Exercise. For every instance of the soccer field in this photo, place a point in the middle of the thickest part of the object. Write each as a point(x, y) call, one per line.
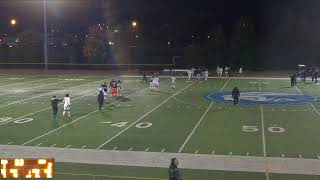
point(272, 119)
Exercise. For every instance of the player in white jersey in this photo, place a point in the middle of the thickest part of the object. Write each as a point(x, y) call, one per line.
point(66, 106)
point(240, 71)
point(156, 83)
point(173, 82)
point(206, 74)
point(220, 72)
point(189, 75)
point(226, 71)
point(119, 87)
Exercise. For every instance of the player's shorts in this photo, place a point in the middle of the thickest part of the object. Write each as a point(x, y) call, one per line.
point(66, 107)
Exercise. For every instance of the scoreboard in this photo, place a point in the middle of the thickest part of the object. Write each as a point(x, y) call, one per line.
point(26, 168)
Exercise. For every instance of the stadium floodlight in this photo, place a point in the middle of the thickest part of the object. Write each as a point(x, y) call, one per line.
point(13, 22)
point(134, 24)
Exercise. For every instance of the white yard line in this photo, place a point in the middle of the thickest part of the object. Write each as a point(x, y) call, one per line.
point(317, 111)
point(200, 120)
point(33, 88)
point(62, 90)
point(262, 126)
point(87, 94)
point(266, 163)
point(263, 132)
point(142, 117)
point(68, 146)
point(38, 144)
point(83, 146)
point(54, 130)
point(53, 145)
point(25, 82)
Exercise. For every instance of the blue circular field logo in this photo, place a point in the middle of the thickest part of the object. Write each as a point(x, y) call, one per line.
point(264, 98)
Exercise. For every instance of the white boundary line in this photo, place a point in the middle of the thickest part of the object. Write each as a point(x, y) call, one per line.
point(200, 120)
point(54, 130)
point(118, 134)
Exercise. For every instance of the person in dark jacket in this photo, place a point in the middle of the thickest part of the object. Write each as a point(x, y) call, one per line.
point(100, 99)
point(54, 105)
point(235, 95)
point(292, 79)
point(174, 173)
point(144, 77)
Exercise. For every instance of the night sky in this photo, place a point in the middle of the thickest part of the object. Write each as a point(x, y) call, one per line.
point(280, 29)
point(184, 16)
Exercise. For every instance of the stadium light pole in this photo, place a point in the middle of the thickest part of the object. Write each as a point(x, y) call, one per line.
point(45, 34)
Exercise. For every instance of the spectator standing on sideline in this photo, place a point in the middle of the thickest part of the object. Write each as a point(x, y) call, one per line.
point(174, 173)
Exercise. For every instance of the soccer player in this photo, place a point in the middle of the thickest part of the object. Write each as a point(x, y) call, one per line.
point(235, 95)
point(156, 83)
point(220, 72)
point(66, 106)
point(292, 79)
point(240, 71)
point(151, 83)
point(113, 86)
point(189, 75)
point(226, 71)
point(173, 82)
point(119, 87)
point(100, 100)
point(54, 105)
point(103, 87)
point(144, 78)
point(206, 74)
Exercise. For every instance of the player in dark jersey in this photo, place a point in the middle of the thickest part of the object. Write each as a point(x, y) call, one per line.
point(101, 99)
point(144, 77)
point(235, 95)
point(54, 105)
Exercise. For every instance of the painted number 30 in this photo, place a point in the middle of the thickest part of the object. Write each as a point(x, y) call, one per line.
point(270, 129)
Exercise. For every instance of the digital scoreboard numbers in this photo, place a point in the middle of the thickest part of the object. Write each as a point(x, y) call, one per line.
point(27, 168)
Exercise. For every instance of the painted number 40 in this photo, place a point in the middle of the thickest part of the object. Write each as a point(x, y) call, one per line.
point(270, 129)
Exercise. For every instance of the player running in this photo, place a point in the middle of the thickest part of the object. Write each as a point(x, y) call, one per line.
point(173, 82)
point(66, 106)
